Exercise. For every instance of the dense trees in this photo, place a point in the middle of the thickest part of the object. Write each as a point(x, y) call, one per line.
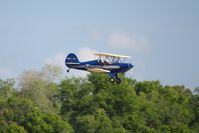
point(93, 105)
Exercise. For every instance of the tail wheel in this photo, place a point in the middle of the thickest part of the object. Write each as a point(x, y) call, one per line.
point(112, 80)
point(118, 80)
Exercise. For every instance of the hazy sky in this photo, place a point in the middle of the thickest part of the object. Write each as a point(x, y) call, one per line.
point(162, 37)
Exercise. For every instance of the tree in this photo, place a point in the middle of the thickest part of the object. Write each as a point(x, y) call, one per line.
point(12, 127)
point(51, 73)
point(7, 88)
point(39, 86)
point(93, 104)
point(96, 123)
point(196, 90)
point(37, 121)
point(194, 104)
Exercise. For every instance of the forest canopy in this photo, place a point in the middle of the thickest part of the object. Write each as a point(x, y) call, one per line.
point(43, 102)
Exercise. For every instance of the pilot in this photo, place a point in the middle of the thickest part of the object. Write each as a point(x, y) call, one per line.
point(100, 61)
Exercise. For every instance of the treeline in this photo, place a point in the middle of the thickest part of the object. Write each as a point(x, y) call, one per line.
point(42, 103)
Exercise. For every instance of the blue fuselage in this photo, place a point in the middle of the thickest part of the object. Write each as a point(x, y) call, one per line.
point(114, 68)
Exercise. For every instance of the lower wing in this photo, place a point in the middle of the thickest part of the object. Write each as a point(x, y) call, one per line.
point(98, 70)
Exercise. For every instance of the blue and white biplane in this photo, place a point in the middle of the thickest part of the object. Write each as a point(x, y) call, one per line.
point(111, 64)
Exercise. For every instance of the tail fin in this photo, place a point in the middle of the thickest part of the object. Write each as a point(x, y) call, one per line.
point(71, 59)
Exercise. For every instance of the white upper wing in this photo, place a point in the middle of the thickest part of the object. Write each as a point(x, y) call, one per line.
point(112, 55)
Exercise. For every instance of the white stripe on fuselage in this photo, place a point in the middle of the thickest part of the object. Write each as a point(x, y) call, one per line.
point(87, 66)
point(72, 63)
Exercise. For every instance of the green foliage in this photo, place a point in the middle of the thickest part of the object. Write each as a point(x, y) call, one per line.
point(51, 72)
point(129, 107)
point(35, 86)
point(11, 128)
point(6, 88)
point(37, 121)
point(98, 123)
point(195, 108)
point(94, 105)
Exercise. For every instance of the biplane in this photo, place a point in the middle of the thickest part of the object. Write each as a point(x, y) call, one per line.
point(111, 64)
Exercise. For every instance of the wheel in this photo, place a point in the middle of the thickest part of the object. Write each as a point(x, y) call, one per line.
point(68, 70)
point(112, 80)
point(118, 80)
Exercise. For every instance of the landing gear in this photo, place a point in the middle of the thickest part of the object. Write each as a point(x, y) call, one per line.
point(112, 79)
point(118, 80)
point(115, 79)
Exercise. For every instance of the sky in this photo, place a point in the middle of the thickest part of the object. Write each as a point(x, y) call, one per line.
point(162, 37)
